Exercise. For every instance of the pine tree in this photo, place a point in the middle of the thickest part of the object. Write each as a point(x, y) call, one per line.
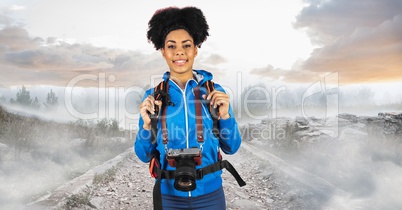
point(35, 103)
point(24, 99)
point(52, 101)
point(3, 99)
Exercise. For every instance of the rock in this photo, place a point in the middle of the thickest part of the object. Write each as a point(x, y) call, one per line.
point(392, 123)
point(343, 122)
point(301, 120)
point(97, 202)
point(3, 146)
point(241, 194)
point(393, 115)
point(350, 117)
point(291, 195)
point(266, 174)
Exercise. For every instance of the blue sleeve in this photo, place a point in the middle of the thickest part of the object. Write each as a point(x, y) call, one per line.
point(230, 137)
point(143, 146)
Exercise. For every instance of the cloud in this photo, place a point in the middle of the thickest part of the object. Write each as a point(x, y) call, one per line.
point(36, 61)
point(367, 55)
point(214, 59)
point(15, 38)
point(4, 20)
point(361, 40)
point(293, 76)
point(326, 20)
point(27, 60)
point(16, 7)
point(5, 10)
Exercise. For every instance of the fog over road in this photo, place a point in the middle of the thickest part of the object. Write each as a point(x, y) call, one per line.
point(359, 169)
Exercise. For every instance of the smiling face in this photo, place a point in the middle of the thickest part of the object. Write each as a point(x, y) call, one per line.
point(179, 52)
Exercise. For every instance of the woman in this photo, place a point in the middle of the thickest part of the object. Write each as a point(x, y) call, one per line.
point(178, 33)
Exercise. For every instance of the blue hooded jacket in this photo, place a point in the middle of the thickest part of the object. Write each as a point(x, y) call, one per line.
point(181, 126)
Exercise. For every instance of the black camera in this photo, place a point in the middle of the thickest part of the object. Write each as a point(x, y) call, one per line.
point(185, 161)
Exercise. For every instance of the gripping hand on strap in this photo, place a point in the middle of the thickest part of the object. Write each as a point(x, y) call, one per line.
point(149, 107)
point(219, 100)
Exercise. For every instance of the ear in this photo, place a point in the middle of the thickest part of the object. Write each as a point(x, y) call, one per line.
point(163, 53)
point(196, 51)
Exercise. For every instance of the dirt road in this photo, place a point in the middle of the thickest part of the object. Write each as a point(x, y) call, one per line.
point(267, 187)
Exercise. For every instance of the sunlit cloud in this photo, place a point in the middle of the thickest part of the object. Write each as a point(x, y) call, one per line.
point(16, 7)
point(54, 62)
point(361, 41)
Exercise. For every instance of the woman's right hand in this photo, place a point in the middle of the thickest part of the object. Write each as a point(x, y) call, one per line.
point(146, 107)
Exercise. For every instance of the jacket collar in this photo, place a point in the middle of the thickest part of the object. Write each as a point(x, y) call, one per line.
point(200, 75)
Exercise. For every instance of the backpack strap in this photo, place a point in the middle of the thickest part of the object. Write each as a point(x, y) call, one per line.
point(215, 116)
point(213, 111)
point(161, 92)
point(198, 115)
point(156, 172)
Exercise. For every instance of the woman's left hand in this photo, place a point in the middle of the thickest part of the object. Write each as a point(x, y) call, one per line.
point(221, 100)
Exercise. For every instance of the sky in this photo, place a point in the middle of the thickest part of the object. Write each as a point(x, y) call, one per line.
point(101, 44)
point(293, 41)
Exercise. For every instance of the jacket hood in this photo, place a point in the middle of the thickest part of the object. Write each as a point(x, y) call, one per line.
point(201, 75)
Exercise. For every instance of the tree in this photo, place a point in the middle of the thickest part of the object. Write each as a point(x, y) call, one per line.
point(108, 127)
point(24, 99)
point(3, 99)
point(52, 101)
point(365, 96)
point(256, 99)
point(35, 103)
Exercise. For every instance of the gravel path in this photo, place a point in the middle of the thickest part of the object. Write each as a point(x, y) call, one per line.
point(267, 188)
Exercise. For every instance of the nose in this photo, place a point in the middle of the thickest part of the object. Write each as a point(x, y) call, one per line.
point(179, 51)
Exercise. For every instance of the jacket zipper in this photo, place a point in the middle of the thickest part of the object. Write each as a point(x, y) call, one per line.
point(186, 114)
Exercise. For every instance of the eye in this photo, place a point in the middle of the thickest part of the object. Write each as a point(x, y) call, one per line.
point(187, 45)
point(171, 46)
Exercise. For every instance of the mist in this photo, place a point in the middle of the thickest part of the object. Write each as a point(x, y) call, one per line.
point(289, 100)
point(349, 139)
point(80, 103)
point(37, 154)
point(42, 149)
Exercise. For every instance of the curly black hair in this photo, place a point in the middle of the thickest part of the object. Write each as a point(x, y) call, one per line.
point(168, 19)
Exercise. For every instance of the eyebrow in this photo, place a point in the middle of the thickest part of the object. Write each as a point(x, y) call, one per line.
point(187, 40)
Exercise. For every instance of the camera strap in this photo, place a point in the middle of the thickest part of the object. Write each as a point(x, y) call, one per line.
point(159, 173)
point(170, 174)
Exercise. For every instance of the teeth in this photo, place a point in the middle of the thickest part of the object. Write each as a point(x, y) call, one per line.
point(180, 61)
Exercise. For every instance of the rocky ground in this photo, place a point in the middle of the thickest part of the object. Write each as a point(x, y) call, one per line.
point(267, 188)
point(273, 183)
point(130, 187)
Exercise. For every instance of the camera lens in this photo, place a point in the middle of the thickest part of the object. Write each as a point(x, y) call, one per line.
point(185, 174)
